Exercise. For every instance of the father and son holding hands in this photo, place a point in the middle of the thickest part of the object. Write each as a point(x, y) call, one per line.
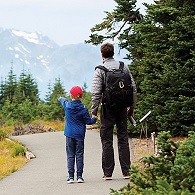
point(77, 117)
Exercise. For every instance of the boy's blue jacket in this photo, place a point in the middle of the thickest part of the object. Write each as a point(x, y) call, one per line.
point(77, 116)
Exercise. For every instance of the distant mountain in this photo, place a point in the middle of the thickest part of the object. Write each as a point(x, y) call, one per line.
point(46, 60)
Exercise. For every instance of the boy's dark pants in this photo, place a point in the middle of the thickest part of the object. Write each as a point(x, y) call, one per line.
point(118, 117)
point(75, 149)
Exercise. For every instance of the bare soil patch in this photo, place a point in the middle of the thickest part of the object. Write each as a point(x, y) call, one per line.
point(141, 148)
point(145, 147)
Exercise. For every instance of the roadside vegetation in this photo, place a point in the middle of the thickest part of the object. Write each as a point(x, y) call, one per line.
point(11, 155)
point(170, 171)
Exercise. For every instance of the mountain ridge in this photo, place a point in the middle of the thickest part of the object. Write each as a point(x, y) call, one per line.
point(46, 60)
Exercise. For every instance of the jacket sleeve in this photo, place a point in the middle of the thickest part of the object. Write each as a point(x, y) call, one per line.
point(87, 119)
point(97, 84)
point(62, 100)
point(134, 87)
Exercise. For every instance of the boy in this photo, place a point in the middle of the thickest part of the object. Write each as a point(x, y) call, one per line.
point(77, 116)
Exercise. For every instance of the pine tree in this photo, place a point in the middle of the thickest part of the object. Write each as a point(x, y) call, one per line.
point(2, 97)
point(86, 99)
point(183, 172)
point(25, 112)
point(8, 111)
point(48, 94)
point(58, 90)
point(168, 45)
point(11, 85)
point(19, 98)
point(161, 47)
point(116, 24)
point(56, 111)
point(171, 171)
point(27, 88)
point(8, 88)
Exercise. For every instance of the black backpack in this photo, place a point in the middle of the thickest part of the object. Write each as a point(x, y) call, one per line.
point(117, 89)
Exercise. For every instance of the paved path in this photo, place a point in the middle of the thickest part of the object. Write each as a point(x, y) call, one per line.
point(46, 174)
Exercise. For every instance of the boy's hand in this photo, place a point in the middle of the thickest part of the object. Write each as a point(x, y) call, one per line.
point(94, 116)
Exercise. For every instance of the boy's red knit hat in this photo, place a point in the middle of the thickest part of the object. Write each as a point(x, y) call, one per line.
point(76, 91)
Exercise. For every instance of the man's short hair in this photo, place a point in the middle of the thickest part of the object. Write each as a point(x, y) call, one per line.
point(107, 50)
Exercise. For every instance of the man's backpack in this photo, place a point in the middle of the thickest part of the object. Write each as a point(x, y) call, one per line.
point(117, 89)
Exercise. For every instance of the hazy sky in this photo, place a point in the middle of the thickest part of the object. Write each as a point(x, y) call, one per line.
point(64, 21)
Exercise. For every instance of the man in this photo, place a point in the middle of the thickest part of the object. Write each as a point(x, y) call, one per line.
point(113, 116)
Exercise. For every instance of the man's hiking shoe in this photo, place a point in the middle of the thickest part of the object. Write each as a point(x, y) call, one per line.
point(106, 178)
point(126, 176)
point(70, 180)
point(80, 180)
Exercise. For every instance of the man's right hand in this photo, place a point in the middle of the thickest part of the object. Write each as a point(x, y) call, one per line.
point(130, 111)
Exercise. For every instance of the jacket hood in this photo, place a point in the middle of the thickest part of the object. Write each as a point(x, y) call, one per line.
point(75, 106)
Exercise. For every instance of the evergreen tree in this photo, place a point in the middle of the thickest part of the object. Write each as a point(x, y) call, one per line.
point(2, 97)
point(48, 94)
point(11, 85)
point(116, 24)
point(161, 47)
point(25, 112)
point(86, 99)
point(8, 87)
point(8, 111)
point(56, 111)
point(42, 111)
point(57, 91)
point(27, 88)
point(168, 47)
point(171, 171)
point(19, 98)
point(84, 87)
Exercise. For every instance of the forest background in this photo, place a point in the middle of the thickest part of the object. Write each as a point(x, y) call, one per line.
point(161, 49)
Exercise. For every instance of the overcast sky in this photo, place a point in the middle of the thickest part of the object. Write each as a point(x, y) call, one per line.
point(64, 21)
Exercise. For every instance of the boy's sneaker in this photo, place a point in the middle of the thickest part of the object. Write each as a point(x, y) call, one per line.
point(70, 180)
point(80, 180)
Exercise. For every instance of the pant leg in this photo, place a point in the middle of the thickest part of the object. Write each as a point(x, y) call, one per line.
point(71, 152)
point(80, 157)
point(106, 135)
point(123, 141)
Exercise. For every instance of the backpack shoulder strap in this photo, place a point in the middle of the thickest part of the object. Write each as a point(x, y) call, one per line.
point(105, 70)
point(121, 66)
point(102, 68)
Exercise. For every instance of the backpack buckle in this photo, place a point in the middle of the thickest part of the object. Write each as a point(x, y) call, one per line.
point(121, 84)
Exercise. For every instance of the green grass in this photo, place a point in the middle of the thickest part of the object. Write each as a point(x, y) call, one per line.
point(11, 157)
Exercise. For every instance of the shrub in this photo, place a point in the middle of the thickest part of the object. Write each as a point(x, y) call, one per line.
point(15, 148)
point(2, 135)
point(170, 172)
point(18, 150)
point(9, 162)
